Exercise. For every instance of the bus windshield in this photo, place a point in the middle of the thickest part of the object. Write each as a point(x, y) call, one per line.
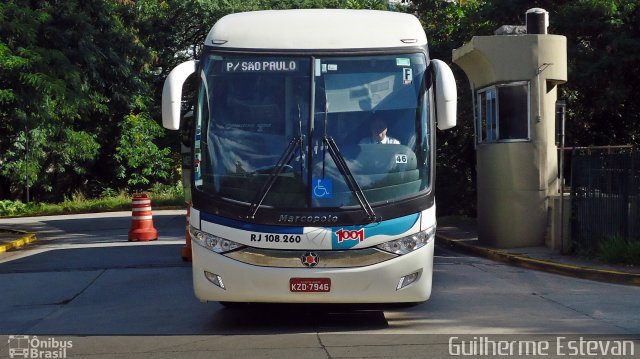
point(301, 133)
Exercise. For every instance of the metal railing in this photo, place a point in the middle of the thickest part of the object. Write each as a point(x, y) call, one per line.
point(605, 194)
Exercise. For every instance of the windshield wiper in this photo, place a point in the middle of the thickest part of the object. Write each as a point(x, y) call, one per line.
point(273, 176)
point(337, 157)
point(283, 162)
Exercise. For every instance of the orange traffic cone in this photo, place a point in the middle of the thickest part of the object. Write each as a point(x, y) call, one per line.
point(186, 250)
point(142, 228)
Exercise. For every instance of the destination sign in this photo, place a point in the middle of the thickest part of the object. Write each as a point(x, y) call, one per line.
point(260, 66)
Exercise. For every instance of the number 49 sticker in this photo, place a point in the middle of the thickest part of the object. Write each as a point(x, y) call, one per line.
point(401, 158)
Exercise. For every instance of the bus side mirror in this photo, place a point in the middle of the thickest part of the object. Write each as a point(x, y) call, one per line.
point(445, 93)
point(172, 94)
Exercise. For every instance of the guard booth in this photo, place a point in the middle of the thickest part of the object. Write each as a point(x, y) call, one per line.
point(514, 77)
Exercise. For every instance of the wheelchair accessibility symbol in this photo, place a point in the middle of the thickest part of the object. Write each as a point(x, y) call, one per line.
point(322, 188)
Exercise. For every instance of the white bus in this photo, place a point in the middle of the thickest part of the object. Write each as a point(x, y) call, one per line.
point(293, 198)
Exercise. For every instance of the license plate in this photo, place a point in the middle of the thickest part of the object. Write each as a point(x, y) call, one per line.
point(310, 285)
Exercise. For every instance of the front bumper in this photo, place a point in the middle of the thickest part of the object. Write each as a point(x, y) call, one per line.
point(369, 284)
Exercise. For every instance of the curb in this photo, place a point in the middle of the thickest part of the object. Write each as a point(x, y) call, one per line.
point(600, 275)
point(25, 238)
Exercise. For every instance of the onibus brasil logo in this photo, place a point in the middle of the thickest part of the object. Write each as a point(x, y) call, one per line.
point(24, 346)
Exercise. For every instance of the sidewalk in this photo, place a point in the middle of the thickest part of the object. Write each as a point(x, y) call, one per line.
point(464, 238)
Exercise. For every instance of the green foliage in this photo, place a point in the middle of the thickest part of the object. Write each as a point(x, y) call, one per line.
point(57, 149)
point(167, 190)
point(141, 160)
point(612, 249)
point(11, 208)
point(617, 249)
point(161, 196)
point(604, 48)
point(300, 4)
point(108, 192)
point(633, 252)
point(442, 21)
point(68, 73)
point(368, 4)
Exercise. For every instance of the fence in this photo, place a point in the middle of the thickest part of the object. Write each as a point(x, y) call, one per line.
point(605, 195)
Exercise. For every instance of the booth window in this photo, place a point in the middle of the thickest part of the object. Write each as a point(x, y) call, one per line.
point(503, 113)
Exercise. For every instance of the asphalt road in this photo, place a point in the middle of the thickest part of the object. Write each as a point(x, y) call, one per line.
point(85, 283)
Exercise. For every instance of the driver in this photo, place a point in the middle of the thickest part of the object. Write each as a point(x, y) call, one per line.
point(379, 134)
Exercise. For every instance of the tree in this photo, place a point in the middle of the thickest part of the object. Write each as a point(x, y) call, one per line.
point(141, 160)
point(67, 74)
point(368, 4)
point(604, 53)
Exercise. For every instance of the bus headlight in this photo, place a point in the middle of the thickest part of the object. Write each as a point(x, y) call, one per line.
point(213, 243)
point(409, 243)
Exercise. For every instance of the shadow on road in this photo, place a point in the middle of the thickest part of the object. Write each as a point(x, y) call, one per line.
point(298, 318)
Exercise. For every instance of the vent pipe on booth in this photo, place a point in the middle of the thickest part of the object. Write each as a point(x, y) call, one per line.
point(537, 21)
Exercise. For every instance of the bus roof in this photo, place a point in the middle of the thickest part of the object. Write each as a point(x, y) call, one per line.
point(321, 29)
